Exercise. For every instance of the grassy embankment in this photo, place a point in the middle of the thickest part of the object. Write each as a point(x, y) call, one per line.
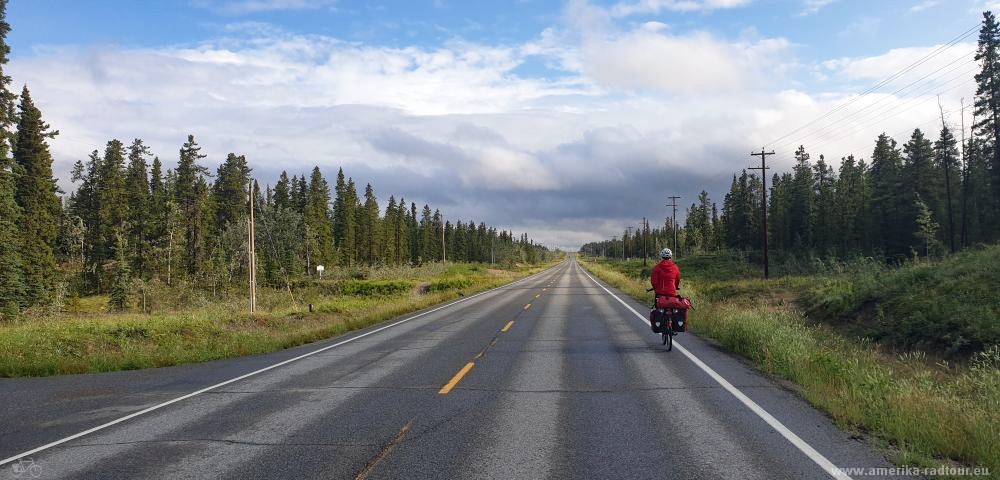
point(189, 325)
point(923, 409)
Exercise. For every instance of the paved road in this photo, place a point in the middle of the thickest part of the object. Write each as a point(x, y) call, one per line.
point(576, 387)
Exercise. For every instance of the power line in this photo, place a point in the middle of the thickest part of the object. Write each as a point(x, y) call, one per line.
point(859, 129)
point(880, 84)
point(929, 81)
point(887, 113)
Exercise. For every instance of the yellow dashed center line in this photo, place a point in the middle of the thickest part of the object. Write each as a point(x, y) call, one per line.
point(507, 327)
point(539, 295)
point(527, 306)
point(457, 378)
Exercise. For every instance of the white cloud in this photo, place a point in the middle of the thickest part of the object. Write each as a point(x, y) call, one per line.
point(244, 7)
point(812, 7)
point(863, 27)
point(943, 64)
point(924, 5)
point(979, 6)
point(625, 9)
point(653, 57)
point(697, 62)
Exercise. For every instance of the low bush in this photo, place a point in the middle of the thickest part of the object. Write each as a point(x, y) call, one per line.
point(370, 288)
point(949, 307)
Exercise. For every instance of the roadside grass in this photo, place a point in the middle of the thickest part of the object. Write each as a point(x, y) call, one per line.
point(924, 412)
point(188, 325)
point(950, 307)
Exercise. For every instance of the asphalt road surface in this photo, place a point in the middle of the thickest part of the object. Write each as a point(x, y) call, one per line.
point(555, 376)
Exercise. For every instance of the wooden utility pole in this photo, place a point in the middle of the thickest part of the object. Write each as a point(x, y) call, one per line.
point(252, 256)
point(763, 191)
point(645, 240)
point(673, 218)
point(629, 228)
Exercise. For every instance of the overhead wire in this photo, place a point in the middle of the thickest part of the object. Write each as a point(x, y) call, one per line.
point(892, 111)
point(940, 49)
point(927, 82)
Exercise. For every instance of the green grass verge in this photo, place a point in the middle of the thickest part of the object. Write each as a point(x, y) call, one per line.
point(948, 307)
point(923, 413)
point(200, 327)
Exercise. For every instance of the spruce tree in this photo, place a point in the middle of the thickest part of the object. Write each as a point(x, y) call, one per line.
point(851, 204)
point(987, 103)
point(351, 206)
point(779, 211)
point(138, 196)
point(339, 211)
point(157, 227)
point(36, 196)
point(86, 206)
point(369, 227)
point(230, 191)
point(823, 208)
point(802, 198)
point(122, 285)
point(191, 194)
point(893, 215)
point(12, 288)
point(413, 228)
point(427, 242)
point(403, 232)
point(112, 209)
point(317, 219)
point(283, 192)
point(300, 193)
point(390, 252)
point(946, 158)
point(919, 172)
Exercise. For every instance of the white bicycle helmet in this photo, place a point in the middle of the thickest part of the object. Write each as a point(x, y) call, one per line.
point(666, 253)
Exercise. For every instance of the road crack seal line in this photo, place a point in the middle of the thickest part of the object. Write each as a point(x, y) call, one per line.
point(597, 391)
point(220, 440)
point(363, 474)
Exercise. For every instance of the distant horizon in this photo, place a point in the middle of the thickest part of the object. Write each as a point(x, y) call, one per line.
point(563, 121)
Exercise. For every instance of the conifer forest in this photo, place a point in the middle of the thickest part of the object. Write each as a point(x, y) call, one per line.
point(136, 217)
point(923, 196)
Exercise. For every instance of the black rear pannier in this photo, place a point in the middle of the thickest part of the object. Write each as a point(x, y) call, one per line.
point(657, 320)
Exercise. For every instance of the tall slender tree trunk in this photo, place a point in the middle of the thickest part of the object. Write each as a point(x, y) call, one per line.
point(170, 251)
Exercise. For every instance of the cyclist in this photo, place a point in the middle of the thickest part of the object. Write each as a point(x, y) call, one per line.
point(666, 277)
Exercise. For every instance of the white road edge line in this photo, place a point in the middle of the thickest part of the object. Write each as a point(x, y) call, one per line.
point(255, 372)
point(804, 447)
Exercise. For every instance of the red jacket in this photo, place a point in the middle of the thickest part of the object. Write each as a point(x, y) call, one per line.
point(666, 278)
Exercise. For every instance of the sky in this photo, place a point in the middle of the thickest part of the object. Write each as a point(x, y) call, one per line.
point(567, 120)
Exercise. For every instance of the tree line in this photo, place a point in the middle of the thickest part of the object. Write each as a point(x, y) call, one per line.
point(132, 219)
point(921, 198)
point(184, 223)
